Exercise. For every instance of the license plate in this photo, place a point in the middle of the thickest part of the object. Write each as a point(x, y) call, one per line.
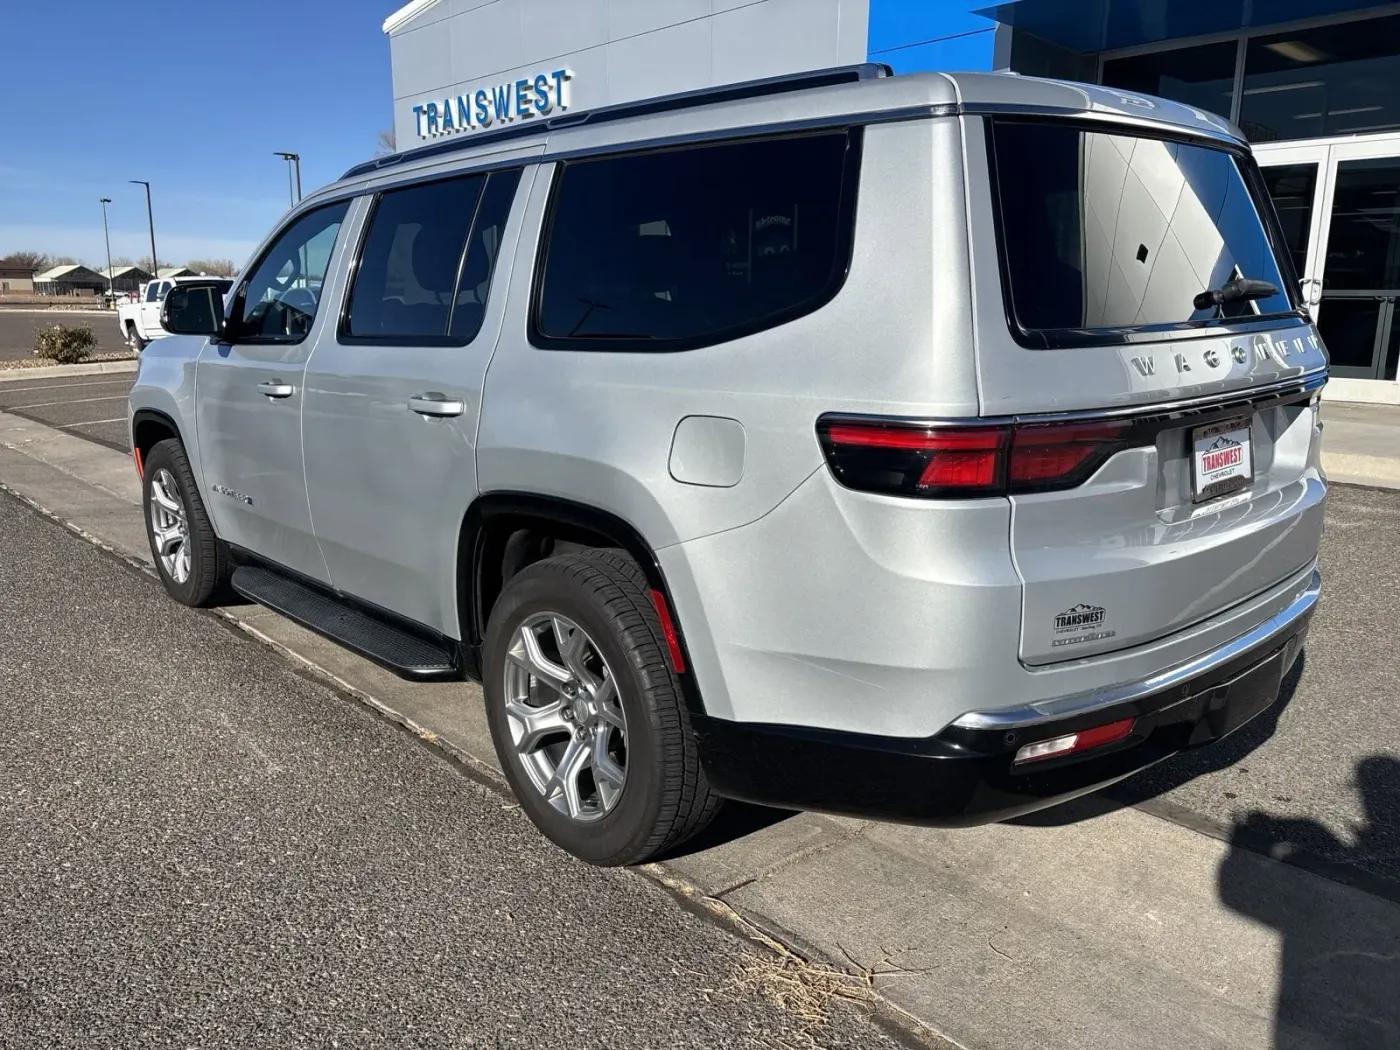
point(1222, 459)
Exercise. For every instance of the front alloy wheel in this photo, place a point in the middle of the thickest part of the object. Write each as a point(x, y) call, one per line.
point(170, 530)
point(566, 722)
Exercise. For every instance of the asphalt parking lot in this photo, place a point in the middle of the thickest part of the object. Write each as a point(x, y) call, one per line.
point(201, 847)
point(92, 407)
point(17, 329)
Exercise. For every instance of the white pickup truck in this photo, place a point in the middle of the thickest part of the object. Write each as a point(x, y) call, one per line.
point(139, 318)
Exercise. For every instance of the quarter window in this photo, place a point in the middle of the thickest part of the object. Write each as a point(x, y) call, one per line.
point(689, 247)
point(278, 303)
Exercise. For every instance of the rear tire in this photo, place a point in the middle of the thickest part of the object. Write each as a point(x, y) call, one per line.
point(611, 775)
point(192, 561)
point(134, 340)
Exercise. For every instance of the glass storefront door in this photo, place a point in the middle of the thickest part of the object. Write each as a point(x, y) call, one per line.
point(1340, 207)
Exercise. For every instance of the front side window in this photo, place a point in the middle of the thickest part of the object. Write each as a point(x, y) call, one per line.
point(278, 302)
point(1118, 231)
point(689, 247)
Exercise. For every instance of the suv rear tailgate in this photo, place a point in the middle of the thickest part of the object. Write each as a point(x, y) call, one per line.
point(1090, 245)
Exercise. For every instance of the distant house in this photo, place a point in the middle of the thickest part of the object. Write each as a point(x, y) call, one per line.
point(175, 271)
point(16, 280)
point(74, 279)
point(126, 278)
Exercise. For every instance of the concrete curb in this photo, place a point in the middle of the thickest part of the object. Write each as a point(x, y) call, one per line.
point(16, 375)
point(1352, 468)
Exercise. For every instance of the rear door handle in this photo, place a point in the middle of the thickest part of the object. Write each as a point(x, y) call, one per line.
point(276, 388)
point(435, 404)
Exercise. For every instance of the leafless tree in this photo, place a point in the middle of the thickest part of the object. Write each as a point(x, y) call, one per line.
point(212, 267)
point(388, 143)
point(37, 261)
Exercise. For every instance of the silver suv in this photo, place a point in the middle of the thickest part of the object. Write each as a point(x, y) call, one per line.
point(932, 448)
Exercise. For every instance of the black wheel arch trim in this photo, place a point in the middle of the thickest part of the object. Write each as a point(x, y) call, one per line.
point(154, 415)
point(584, 520)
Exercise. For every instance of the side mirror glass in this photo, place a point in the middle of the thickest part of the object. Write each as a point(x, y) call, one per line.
point(193, 309)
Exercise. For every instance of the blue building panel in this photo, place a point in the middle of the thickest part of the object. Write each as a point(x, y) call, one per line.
point(912, 35)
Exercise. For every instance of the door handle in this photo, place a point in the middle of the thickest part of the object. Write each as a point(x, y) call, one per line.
point(276, 388)
point(435, 404)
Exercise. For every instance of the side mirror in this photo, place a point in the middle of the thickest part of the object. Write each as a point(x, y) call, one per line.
point(193, 309)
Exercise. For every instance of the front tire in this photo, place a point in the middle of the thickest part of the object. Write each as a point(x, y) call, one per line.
point(192, 562)
point(586, 714)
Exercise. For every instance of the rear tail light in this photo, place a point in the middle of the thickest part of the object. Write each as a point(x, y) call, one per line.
point(1073, 743)
point(913, 459)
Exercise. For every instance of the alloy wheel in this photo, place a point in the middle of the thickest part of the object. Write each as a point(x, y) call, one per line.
point(170, 526)
point(565, 716)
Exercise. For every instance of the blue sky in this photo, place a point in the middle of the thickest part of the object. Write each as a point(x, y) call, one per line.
point(192, 96)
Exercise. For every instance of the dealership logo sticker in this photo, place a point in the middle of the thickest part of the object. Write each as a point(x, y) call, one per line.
point(1224, 454)
point(1081, 624)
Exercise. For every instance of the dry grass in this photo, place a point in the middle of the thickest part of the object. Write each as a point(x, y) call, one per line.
point(805, 990)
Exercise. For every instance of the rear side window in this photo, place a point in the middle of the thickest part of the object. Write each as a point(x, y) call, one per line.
point(413, 284)
point(1112, 231)
point(685, 248)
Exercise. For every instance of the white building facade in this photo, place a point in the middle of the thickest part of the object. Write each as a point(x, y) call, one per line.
point(462, 65)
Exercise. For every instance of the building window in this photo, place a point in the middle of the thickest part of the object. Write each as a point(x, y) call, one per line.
point(1203, 77)
point(1331, 80)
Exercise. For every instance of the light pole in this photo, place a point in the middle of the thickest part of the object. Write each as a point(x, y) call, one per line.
point(293, 162)
point(104, 201)
point(150, 221)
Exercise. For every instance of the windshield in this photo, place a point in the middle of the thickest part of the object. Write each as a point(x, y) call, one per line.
point(1111, 231)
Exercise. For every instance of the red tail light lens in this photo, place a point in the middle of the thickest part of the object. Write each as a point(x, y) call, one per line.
point(1060, 455)
point(912, 459)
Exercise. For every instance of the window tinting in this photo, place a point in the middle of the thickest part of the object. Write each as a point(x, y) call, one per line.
point(1196, 76)
point(409, 262)
point(278, 303)
point(1115, 231)
point(482, 251)
point(677, 249)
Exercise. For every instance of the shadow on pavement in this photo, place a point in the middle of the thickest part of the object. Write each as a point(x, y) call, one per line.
point(735, 821)
point(1339, 985)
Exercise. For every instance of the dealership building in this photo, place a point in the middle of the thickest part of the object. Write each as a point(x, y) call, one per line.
point(1313, 84)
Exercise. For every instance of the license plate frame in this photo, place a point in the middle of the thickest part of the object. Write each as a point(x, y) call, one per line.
point(1222, 439)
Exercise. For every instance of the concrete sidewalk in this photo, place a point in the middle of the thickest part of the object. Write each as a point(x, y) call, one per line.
point(1361, 443)
point(1115, 930)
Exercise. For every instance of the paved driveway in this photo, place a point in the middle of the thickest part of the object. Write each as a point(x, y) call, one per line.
point(92, 407)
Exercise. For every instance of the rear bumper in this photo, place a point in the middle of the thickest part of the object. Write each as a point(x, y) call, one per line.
point(964, 775)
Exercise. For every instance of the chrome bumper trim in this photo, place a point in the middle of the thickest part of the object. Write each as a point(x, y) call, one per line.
point(1274, 628)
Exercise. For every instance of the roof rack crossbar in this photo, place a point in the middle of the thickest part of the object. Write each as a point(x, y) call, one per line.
point(642, 107)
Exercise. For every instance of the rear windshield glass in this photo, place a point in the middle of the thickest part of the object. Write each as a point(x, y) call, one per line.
point(1111, 231)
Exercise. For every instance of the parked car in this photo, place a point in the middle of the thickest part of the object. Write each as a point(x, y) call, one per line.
point(138, 317)
point(932, 448)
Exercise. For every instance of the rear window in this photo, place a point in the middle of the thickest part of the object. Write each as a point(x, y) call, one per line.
point(688, 247)
point(1111, 231)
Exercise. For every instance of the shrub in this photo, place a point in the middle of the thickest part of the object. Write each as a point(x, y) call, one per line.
point(65, 344)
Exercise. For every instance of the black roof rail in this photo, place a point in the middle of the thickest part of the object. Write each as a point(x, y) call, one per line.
point(642, 107)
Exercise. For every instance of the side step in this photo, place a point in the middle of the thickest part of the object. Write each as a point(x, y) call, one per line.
point(407, 655)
